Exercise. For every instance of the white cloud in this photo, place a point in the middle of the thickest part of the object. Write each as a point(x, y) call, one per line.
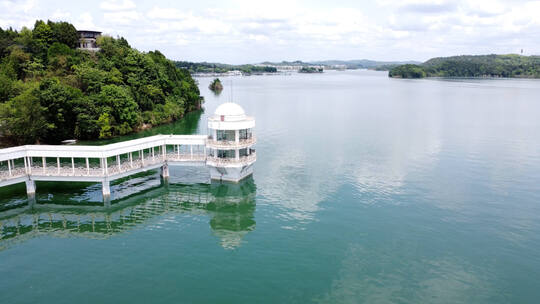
point(117, 5)
point(251, 31)
point(85, 22)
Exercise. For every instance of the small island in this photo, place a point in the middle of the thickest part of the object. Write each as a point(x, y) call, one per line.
point(216, 86)
point(310, 69)
point(511, 66)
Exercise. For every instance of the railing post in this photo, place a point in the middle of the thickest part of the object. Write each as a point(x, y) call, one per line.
point(106, 167)
point(191, 151)
point(164, 148)
point(58, 165)
point(25, 165)
point(30, 165)
point(44, 162)
point(87, 167)
point(9, 166)
point(178, 150)
point(73, 166)
point(118, 163)
point(131, 159)
point(142, 158)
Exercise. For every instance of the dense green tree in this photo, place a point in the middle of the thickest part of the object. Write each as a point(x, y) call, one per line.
point(473, 66)
point(23, 119)
point(86, 95)
point(118, 102)
point(64, 33)
point(58, 100)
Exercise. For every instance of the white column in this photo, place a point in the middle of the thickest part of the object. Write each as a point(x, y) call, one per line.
point(178, 149)
point(118, 162)
point(30, 165)
point(44, 165)
point(164, 150)
point(9, 166)
point(191, 151)
point(142, 157)
point(237, 154)
point(87, 167)
point(237, 136)
point(106, 189)
point(25, 165)
point(73, 165)
point(152, 153)
point(58, 164)
point(106, 167)
point(30, 187)
point(131, 159)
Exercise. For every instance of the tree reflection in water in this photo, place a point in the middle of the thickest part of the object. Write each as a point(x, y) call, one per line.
point(230, 206)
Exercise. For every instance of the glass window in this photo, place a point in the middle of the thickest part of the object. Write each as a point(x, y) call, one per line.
point(226, 154)
point(227, 135)
point(245, 134)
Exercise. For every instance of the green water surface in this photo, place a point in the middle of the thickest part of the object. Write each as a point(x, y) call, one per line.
point(366, 190)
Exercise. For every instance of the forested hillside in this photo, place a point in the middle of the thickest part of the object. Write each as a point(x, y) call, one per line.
point(472, 66)
point(50, 91)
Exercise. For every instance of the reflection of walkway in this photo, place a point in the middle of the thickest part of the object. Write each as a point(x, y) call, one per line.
point(231, 208)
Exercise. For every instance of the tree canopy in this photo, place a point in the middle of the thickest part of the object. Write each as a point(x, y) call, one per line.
point(51, 91)
point(472, 66)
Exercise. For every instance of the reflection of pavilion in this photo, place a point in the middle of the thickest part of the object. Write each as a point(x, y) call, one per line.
point(230, 207)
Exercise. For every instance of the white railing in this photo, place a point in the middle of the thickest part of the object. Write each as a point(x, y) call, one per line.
point(231, 143)
point(244, 160)
point(112, 168)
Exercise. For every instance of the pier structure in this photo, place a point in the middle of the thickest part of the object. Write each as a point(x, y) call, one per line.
point(229, 156)
point(230, 143)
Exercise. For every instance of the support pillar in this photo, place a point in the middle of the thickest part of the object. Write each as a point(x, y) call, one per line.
point(73, 166)
point(30, 186)
point(165, 175)
point(131, 159)
point(106, 190)
point(165, 171)
point(87, 167)
point(31, 192)
point(9, 166)
point(44, 162)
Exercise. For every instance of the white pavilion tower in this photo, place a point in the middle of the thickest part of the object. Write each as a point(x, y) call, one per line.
point(230, 142)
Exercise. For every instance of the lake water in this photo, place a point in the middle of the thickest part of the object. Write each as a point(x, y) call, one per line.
point(366, 190)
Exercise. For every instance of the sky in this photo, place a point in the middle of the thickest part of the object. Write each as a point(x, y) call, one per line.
point(250, 31)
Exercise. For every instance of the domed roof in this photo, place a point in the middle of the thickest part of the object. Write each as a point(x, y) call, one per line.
point(230, 109)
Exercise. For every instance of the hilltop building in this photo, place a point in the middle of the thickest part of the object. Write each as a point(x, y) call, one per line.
point(87, 40)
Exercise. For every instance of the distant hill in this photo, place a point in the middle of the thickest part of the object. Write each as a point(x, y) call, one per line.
point(349, 64)
point(219, 68)
point(362, 63)
point(472, 66)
